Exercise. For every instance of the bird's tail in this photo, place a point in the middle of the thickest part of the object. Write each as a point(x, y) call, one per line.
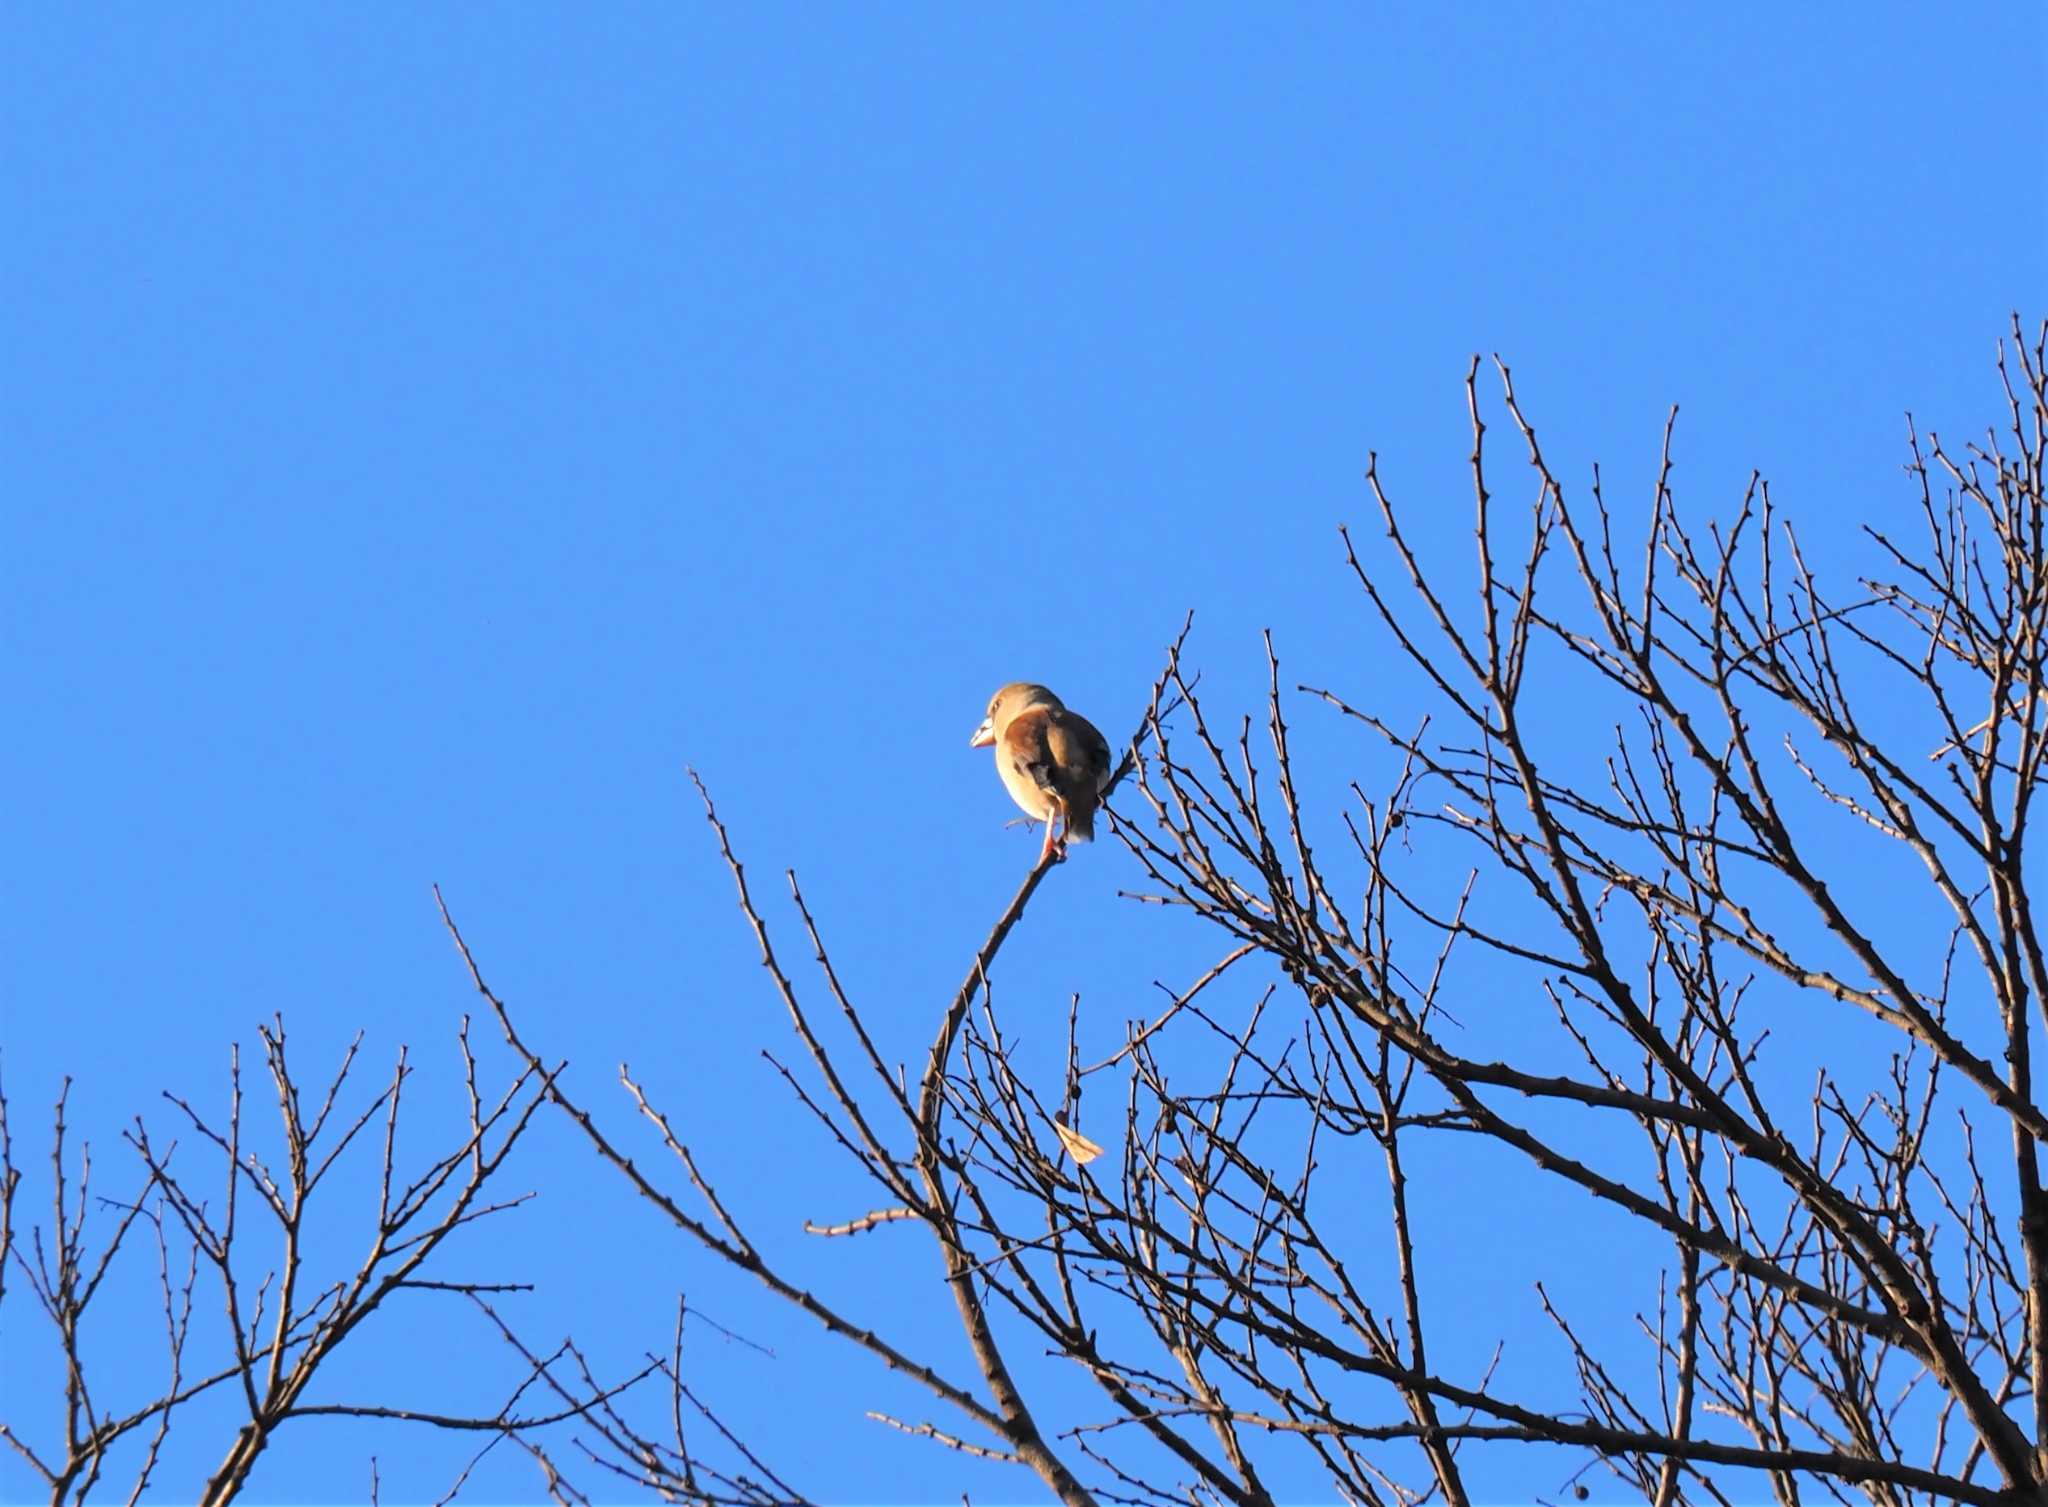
point(1081, 820)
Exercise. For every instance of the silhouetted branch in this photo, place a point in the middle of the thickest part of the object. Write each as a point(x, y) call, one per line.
point(278, 1333)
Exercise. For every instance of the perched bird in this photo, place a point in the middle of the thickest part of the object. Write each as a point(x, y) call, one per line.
point(1053, 761)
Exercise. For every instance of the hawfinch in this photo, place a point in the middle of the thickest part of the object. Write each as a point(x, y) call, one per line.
point(1053, 761)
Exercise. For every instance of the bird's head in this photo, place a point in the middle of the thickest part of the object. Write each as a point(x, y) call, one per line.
point(1007, 703)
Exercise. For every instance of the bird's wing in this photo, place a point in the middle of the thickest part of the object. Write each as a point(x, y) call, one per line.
point(1080, 752)
point(1027, 744)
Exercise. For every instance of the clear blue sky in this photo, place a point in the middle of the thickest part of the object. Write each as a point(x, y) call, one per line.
point(429, 430)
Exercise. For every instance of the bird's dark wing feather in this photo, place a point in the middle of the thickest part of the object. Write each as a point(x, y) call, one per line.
point(1027, 743)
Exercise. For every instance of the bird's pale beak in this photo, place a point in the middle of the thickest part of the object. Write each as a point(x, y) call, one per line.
point(983, 735)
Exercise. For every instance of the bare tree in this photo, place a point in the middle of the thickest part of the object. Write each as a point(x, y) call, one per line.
point(1744, 969)
point(283, 1321)
point(1854, 1235)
